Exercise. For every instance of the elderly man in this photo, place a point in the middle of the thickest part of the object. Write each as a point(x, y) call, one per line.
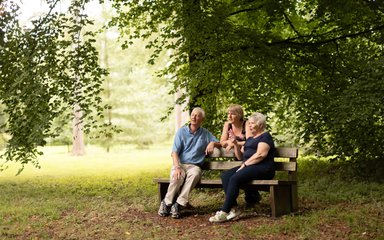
point(190, 146)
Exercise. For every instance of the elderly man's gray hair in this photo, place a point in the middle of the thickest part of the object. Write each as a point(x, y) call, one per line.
point(199, 110)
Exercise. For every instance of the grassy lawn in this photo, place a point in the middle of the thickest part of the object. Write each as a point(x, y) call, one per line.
point(123, 160)
point(112, 196)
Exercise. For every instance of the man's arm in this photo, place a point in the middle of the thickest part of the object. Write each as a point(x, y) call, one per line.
point(176, 169)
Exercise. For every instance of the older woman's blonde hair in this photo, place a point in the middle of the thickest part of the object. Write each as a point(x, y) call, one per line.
point(236, 108)
point(259, 119)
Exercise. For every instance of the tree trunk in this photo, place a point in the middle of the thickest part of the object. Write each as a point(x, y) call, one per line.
point(78, 148)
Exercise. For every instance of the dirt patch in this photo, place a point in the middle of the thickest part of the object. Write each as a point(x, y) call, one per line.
point(135, 224)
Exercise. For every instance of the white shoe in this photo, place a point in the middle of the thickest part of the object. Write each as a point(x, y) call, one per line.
point(233, 213)
point(220, 216)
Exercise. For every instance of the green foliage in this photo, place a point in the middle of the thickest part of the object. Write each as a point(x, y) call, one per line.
point(2, 134)
point(314, 66)
point(138, 97)
point(45, 71)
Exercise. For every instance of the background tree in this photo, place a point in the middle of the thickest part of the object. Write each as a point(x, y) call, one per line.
point(138, 98)
point(40, 73)
point(313, 65)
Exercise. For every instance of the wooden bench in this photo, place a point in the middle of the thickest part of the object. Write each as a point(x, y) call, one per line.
point(282, 189)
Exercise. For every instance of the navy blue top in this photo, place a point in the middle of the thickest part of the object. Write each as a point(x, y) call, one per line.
point(251, 144)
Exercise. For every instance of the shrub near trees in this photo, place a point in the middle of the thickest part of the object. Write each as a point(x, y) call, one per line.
point(315, 66)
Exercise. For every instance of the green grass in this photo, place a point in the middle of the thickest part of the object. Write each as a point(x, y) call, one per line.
point(112, 196)
point(123, 160)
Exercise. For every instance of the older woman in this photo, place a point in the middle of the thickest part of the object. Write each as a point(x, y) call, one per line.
point(235, 126)
point(258, 163)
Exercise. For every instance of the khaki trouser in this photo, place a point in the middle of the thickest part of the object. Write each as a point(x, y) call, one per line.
point(190, 176)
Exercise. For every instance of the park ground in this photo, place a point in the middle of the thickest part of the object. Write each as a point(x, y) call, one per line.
point(112, 196)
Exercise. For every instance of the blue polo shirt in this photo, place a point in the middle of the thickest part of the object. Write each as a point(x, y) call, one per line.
point(191, 147)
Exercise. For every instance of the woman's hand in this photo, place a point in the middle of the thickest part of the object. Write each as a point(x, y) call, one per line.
point(232, 139)
point(228, 147)
point(241, 167)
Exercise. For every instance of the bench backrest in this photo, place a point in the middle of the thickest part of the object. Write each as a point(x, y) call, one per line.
point(221, 160)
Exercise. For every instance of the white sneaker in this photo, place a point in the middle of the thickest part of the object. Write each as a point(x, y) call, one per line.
point(233, 213)
point(219, 217)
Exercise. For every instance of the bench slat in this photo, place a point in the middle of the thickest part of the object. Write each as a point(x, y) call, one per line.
point(220, 165)
point(225, 165)
point(280, 152)
point(286, 152)
point(286, 166)
point(218, 183)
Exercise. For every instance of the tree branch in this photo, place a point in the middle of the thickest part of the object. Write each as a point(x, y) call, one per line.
point(51, 7)
point(243, 10)
point(290, 40)
point(291, 24)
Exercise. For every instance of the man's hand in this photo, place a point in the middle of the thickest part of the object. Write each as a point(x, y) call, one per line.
point(176, 173)
point(210, 148)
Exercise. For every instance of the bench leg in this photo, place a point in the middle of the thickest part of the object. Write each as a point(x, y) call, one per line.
point(162, 190)
point(280, 200)
point(294, 198)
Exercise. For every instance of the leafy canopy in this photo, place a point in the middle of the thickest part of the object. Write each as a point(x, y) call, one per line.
point(315, 66)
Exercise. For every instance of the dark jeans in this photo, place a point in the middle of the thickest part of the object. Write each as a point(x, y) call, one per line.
point(232, 181)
